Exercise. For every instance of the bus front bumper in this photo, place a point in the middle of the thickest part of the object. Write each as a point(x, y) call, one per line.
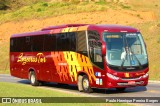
point(129, 82)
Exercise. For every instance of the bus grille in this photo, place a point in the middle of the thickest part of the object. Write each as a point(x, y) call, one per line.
point(131, 78)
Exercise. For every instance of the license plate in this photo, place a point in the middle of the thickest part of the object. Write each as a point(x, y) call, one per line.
point(131, 82)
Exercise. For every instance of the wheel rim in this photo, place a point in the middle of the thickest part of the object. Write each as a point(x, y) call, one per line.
point(32, 79)
point(85, 84)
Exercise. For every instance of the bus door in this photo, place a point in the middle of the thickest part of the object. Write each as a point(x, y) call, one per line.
point(95, 54)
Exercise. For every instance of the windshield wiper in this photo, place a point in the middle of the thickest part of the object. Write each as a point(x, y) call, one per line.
point(125, 46)
point(130, 51)
point(140, 65)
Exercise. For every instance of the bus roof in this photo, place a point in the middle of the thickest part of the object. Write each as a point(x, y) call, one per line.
point(79, 27)
point(112, 28)
point(63, 26)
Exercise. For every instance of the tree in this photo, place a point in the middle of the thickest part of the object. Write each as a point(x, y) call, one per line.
point(3, 5)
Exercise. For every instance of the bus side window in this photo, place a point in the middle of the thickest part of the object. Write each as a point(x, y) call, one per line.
point(50, 42)
point(37, 42)
point(19, 43)
point(60, 44)
point(12, 45)
point(72, 41)
point(66, 42)
point(27, 44)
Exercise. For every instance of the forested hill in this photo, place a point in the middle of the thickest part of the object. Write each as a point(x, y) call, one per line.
point(15, 4)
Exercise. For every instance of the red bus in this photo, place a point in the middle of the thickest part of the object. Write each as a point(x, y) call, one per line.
point(89, 56)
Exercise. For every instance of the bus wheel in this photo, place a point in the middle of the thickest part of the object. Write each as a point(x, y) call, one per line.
point(85, 84)
point(120, 89)
point(33, 79)
point(80, 83)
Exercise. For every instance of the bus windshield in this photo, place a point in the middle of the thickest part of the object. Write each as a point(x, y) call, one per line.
point(125, 49)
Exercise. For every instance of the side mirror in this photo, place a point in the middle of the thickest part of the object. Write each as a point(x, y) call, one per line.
point(103, 48)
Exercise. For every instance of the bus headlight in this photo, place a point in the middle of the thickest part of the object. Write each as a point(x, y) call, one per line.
point(146, 75)
point(112, 76)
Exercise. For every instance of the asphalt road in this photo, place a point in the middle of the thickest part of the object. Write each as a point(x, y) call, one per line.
point(152, 90)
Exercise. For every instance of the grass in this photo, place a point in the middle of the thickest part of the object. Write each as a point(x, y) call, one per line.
point(4, 61)
point(125, 6)
point(44, 9)
point(20, 90)
point(7, 71)
point(16, 4)
point(27, 91)
point(48, 9)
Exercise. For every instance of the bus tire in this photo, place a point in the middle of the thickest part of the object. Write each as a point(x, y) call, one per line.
point(120, 89)
point(33, 79)
point(80, 83)
point(85, 84)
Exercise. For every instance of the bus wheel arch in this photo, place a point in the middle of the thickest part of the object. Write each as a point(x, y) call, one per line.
point(83, 83)
point(33, 78)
